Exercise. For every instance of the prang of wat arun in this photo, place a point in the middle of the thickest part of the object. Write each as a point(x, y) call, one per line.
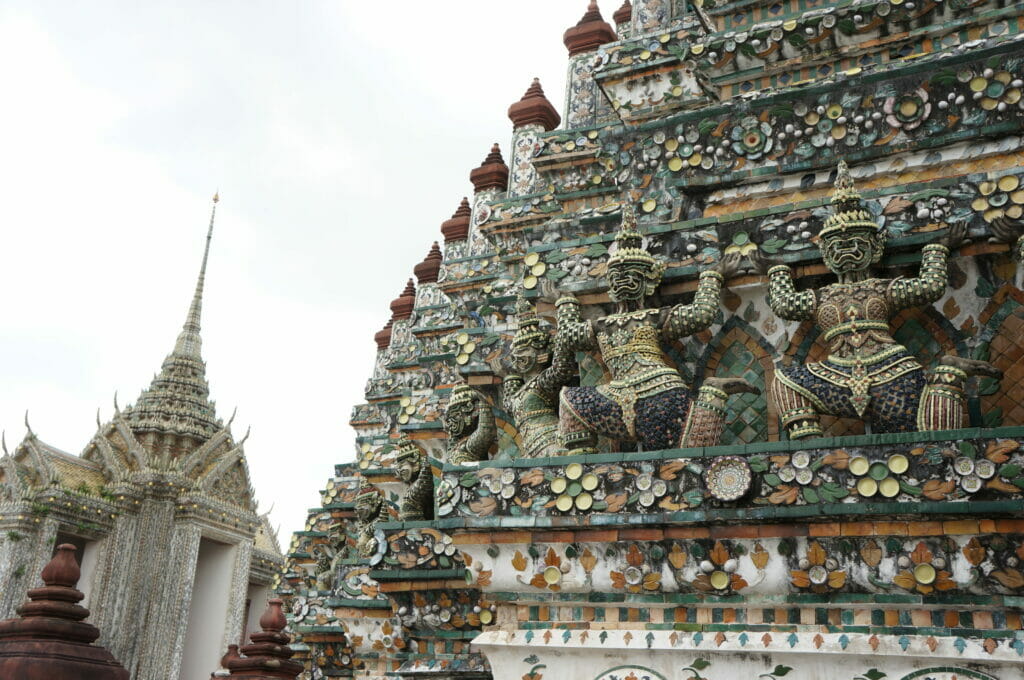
point(720, 375)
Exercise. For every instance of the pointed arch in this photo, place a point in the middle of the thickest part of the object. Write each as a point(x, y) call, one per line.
point(43, 471)
point(220, 468)
point(198, 458)
point(738, 350)
point(109, 459)
point(1001, 342)
point(135, 448)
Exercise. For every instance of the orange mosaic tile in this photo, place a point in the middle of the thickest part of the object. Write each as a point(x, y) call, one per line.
point(741, 531)
point(890, 528)
point(824, 529)
point(921, 617)
point(958, 527)
point(857, 529)
point(924, 528)
point(687, 532)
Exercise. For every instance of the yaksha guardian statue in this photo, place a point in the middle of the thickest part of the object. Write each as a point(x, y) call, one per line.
point(413, 468)
point(646, 400)
point(469, 423)
point(369, 511)
point(867, 374)
point(541, 368)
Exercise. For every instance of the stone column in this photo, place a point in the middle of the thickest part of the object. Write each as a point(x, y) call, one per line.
point(623, 18)
point(585, 104)
point(490, 180)
point(532, 115)
point(239, 591)
point(650, 16)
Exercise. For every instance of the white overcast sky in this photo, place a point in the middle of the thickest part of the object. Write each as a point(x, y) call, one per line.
point(340, 135)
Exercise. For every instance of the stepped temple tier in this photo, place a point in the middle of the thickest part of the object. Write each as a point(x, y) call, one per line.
point(718, 372)
point(170, 544)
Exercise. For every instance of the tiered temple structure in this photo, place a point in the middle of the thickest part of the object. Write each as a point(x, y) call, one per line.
point(722, 378)
point(159, 506)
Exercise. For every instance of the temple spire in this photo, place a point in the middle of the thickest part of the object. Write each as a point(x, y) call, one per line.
point(178, 400)
point(189, 341)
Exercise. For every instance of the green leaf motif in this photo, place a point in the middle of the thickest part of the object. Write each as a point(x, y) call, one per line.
point(994, 418)
point(693, 497)
point(831, 492)
point(772, 479)
point(757, 463)
point(988, 386)
point(700, 664)
point(968, 449)
point(781, 670)
point(556, 274)
point(1009, 471)
point(907, 487)
point(771, 246)
point(810, 495)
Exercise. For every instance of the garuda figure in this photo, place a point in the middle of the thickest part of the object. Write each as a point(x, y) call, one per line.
point(541, 368)
point(369, 511)
point(469, 423)
point(867, 374)
point(646, 399)
point(413, 468)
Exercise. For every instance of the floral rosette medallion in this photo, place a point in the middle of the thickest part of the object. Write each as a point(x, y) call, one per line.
point(728, 478)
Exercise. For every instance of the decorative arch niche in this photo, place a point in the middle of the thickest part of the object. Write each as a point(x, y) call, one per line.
point(738, 350)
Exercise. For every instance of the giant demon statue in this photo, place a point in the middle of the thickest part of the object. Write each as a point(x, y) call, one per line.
point(369, 511)
point(469, 423)
point(646, 399)
point(541, 368)
point(867, 374)
point(413, 468)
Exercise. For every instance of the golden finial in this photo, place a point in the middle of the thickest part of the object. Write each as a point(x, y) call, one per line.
point(216, 196)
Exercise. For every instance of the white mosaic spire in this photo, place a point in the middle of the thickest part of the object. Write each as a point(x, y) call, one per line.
point(189, 341)
point(177, 401)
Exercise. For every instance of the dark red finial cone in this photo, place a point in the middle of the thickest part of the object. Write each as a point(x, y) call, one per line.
point(534, 108)
point(273, 620)
point(624, 14)
point(267, 656)
point(401, 306)
point(589, 33)
point(428, 270)
point(492, 173)
point(383, 336)
point(51, 638)
point(457, 228)
point(494, 156)
point(231, 654)
point(63, 569)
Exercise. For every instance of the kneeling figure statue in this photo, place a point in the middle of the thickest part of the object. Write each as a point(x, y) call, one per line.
point(867, 374)
point(646, 400)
